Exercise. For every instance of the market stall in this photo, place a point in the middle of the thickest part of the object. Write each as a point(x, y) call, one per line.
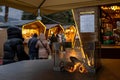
point(55, 28)
point(70, 33)
point(34, 27)
point(29, 29)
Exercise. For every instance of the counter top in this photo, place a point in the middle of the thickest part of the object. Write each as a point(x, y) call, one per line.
point(38, 70)
point(43, 70)
point(110, 46)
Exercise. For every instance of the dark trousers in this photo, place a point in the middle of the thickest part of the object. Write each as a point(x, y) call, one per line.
point(33, 56)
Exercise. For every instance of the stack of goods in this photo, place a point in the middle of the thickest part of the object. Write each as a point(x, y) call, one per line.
point(108, 37)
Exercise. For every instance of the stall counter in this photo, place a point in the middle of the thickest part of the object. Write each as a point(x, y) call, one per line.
point(110, 51)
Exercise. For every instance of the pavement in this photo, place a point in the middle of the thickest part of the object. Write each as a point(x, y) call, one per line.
point(110, 70)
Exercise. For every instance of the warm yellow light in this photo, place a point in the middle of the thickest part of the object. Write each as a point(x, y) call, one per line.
point(66, 31)
point(51, 32)
point(114, 7)
point(72, 30)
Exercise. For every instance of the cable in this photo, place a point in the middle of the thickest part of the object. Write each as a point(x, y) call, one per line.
point(52, 20)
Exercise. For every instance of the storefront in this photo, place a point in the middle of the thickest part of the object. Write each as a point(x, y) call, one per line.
point(110, 30)
point(110, 24)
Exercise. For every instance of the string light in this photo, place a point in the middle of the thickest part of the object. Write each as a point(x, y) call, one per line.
point(114, 7)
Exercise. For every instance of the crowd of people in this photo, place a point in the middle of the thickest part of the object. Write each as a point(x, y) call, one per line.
point(38, 46)
point(57, 42)
point(42, 48)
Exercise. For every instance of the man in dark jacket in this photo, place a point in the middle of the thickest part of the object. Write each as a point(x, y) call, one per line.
point(13, 47)
point(33, 51)
point(53, 39)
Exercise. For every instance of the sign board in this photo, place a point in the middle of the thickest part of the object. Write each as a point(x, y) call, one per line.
point(87, 23)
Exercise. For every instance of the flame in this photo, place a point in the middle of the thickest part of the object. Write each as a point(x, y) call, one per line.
point(78, 66)
point(77, 62)
point(72, 68)
point(82, 69)
point(88, 61)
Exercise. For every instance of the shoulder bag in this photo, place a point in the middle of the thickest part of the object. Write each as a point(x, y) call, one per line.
point(45, 47)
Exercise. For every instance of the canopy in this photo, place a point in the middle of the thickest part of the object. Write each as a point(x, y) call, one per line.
point(51, 6)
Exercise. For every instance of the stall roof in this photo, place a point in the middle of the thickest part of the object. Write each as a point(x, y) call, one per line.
point(52, 6)
point(15, 23)
point(36, 22)
point(9, 19)
point(48, 26)
point(67, 26)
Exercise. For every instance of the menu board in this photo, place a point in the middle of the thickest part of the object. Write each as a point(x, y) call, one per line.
point(87, 23)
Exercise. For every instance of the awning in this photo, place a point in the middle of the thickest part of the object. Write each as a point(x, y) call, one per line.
point(52, 6)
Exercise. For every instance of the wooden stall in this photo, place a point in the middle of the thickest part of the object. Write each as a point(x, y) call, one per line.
point(3, 32)
point(54, 28)
point(34, 27)
point(70, 33)
point(29, 29)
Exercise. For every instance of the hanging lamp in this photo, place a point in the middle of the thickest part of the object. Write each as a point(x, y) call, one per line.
point(39, 17)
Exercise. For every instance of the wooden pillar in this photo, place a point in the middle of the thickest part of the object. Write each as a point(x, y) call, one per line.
point(6, 13)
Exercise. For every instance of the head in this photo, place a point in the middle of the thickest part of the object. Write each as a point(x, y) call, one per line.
point(42, 36)
point(14, 32)
point(35, 35)
point(53, 35)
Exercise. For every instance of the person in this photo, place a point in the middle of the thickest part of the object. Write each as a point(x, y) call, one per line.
point(33, 51)
point(43, 47)
point(57, 44)
point(63, 41)
point(13, 47)
point(59, 39)
point(53, 40)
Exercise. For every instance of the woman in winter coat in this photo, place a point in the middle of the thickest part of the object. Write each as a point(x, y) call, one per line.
point(43, 47)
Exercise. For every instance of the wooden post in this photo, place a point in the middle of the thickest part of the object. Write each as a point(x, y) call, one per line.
point(6, 13)
point(81, 45)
